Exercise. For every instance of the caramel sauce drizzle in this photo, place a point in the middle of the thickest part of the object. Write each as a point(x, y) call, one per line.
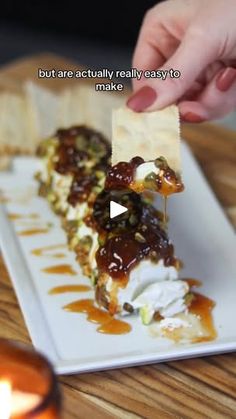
point(193, 282)
point(43, 251)
point(202, 306)
point(33, 231)
point(165, 210)
point(15, 216)
point(69, 288)
point(107, 323)
point(60, 269)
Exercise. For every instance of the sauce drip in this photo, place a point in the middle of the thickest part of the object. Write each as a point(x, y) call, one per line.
point(33, 231)
point(107, 323)
point(15, 216)
point(202, 306)
point(69, 288)
point(43, 251)
point(165, 210)
point(193, 282)
point(60, 269)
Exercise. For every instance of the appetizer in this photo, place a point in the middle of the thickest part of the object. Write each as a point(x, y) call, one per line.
point(130, 259)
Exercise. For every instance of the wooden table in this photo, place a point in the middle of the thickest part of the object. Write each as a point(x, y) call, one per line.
point(195, 388)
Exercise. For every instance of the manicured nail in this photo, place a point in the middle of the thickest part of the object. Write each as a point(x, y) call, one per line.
point(142, 99)
point(225, 79)
point(192, 117)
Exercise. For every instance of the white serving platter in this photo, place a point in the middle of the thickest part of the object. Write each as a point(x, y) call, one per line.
point(203, 238)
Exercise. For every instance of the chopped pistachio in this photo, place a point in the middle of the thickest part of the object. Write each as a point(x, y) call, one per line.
point(51, 197)
point(73, 242)
point(150, 177)
point(138, 236)
point(133, 219)
point(94, 278)
point(99, 174)
point(161, 162)
point(101, 240)
point(80, 142)
point(154, 256)
point(96, 189)
point(86, 241)
point(189, 297)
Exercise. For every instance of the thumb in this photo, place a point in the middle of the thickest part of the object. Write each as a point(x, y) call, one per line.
point(192, 56)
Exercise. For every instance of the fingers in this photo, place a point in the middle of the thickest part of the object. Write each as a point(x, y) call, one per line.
point(190, 58)
point(153, 47)
point(217, 99)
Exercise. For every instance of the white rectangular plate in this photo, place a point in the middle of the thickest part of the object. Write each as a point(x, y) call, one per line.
point(203, 238)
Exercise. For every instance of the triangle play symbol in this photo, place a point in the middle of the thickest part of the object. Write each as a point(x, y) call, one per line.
point(116, 209)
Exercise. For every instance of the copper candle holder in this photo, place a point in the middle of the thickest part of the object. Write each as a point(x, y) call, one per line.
point(28, 385)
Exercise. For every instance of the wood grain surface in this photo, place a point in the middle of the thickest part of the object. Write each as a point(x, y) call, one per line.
point(195, 388)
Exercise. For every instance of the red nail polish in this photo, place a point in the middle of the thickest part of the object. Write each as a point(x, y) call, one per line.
point(142, 99)
point(192, 117)
point(225, 79)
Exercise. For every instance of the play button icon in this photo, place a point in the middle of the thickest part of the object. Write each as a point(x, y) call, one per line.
point(116, 209)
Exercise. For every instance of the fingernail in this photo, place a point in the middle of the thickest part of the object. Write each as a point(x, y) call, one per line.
point(192, 117)
point(225, 79)
point(142, 99)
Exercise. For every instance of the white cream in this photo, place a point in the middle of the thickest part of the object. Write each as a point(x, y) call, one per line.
point(61, 187)
point(166, 297)
point(144, 274)
point(172, 323)
point(78, 212)
point(145, 169)
point(154, 287)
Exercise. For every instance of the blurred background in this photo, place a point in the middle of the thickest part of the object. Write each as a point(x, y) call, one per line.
point(95, 34)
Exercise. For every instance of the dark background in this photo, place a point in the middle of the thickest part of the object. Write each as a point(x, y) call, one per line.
point(93, 33)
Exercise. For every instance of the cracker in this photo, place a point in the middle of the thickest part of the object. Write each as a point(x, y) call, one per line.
point(42, 107)
point(83, 105)
point(14, 133)
point(146, 134)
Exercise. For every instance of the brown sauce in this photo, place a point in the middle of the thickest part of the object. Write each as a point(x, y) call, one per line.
point(165, 210)
point(121, 253)
point(77, 145)
point(115, 327)
point(107, 323)
point(69, 288)
point(33, 231)
point(60, 270)
point(43, 251)
point(81, 188)
point(15, 216)
point(121, 175)
point(193, 282)
point(202, 306)
point(129, 240)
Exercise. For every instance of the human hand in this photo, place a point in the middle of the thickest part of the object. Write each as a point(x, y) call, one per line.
point(198, 38)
